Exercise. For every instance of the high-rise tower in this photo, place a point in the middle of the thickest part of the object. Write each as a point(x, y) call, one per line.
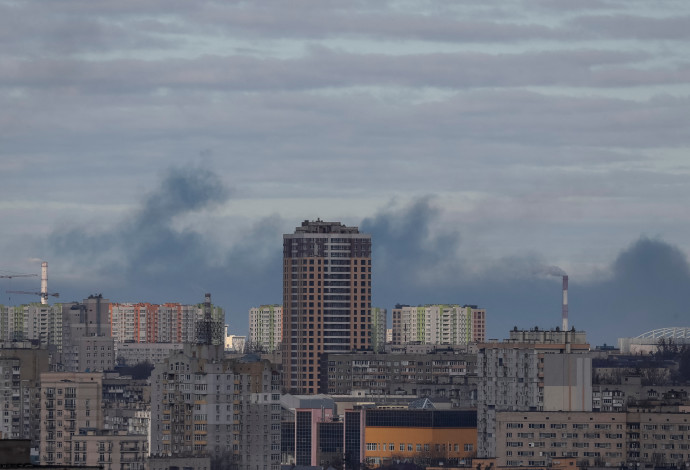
point(326, 300)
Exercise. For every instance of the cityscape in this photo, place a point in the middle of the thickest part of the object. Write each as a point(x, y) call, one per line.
point(321, 381)
point(344, 235)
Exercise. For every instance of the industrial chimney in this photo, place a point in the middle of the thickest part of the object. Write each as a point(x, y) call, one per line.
point(565, 303)
point(44, 283)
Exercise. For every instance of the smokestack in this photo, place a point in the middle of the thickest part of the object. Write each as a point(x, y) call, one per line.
point(565, 303)
point(44, 283)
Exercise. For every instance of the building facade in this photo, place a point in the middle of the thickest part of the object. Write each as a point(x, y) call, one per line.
point(444, 374)
point(266, 328)
point(379, 323)
point(643, 437)
point(35, 322)
point(439, 324)
point(326, 299)
point(157, 323)
point(70, 404)
point(530, 376)
point(204, 405)
point(20, 403)
point(425, 437)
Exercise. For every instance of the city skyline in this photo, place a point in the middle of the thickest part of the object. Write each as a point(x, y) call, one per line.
point(154, 152)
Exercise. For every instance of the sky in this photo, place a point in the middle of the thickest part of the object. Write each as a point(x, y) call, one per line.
point(156, 150)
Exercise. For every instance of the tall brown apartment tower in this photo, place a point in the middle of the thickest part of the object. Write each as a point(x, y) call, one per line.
point(326, 300)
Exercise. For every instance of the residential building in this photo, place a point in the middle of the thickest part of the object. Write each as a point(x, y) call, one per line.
point(35, 321)
point(136, 353)
point(522, 374)
point(110, 450)
point(265, 328)
point(158, 323)
point(326, 300)
point(378, 328)
point(20, 402)
point(70, 403)
point(204, 405)
point(443, 374)
point(439, 324)
point(641, 437)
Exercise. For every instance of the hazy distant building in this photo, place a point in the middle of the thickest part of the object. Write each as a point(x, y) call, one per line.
point(439, 324)
point(206, 405)
point(153, 323)
point(265, 327)
point(648, 342)
point(379, 322)
point(235, 343)
point(135, 353)
point(36, 322)
point(86, 342)
point(326, 299)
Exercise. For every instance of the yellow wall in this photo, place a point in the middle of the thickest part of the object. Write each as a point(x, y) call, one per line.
point(462, 439)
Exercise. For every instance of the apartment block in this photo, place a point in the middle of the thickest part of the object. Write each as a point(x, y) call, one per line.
point(379, 323)
point(530, 376)
point(326, 300)
point(20, 403)
point(36, 322)
point(439, 324)
point(71, 403)
point(206, 405)
point(442, 374)
point(135, 353)
point(110, 450)
point(649, 437)
point(266, 328)
point(154, 323)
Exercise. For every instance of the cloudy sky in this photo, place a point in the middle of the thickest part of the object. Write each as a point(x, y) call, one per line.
point(154, 150)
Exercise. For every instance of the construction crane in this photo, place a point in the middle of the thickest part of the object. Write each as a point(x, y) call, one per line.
point(10, 276)
point(44, 286)
point(44, 295)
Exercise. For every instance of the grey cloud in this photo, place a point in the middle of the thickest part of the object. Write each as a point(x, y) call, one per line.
point(324, 68)
point(145, 258)
point(646, 286)
point(626, 26)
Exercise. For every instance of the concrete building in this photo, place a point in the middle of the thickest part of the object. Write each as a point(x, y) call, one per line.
point(110, 450)
point(157, 323)
point(379, 322)
point(86, 341)
point(326, 299)
point(444, 374)
point(531, 376)
point(20, 402)
point(135, 353)
point(425, 437)
point(204, 405)
point(70, 402)
point(34, 321)
point(439, 324)
point(649, 437)
point(265, 328)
